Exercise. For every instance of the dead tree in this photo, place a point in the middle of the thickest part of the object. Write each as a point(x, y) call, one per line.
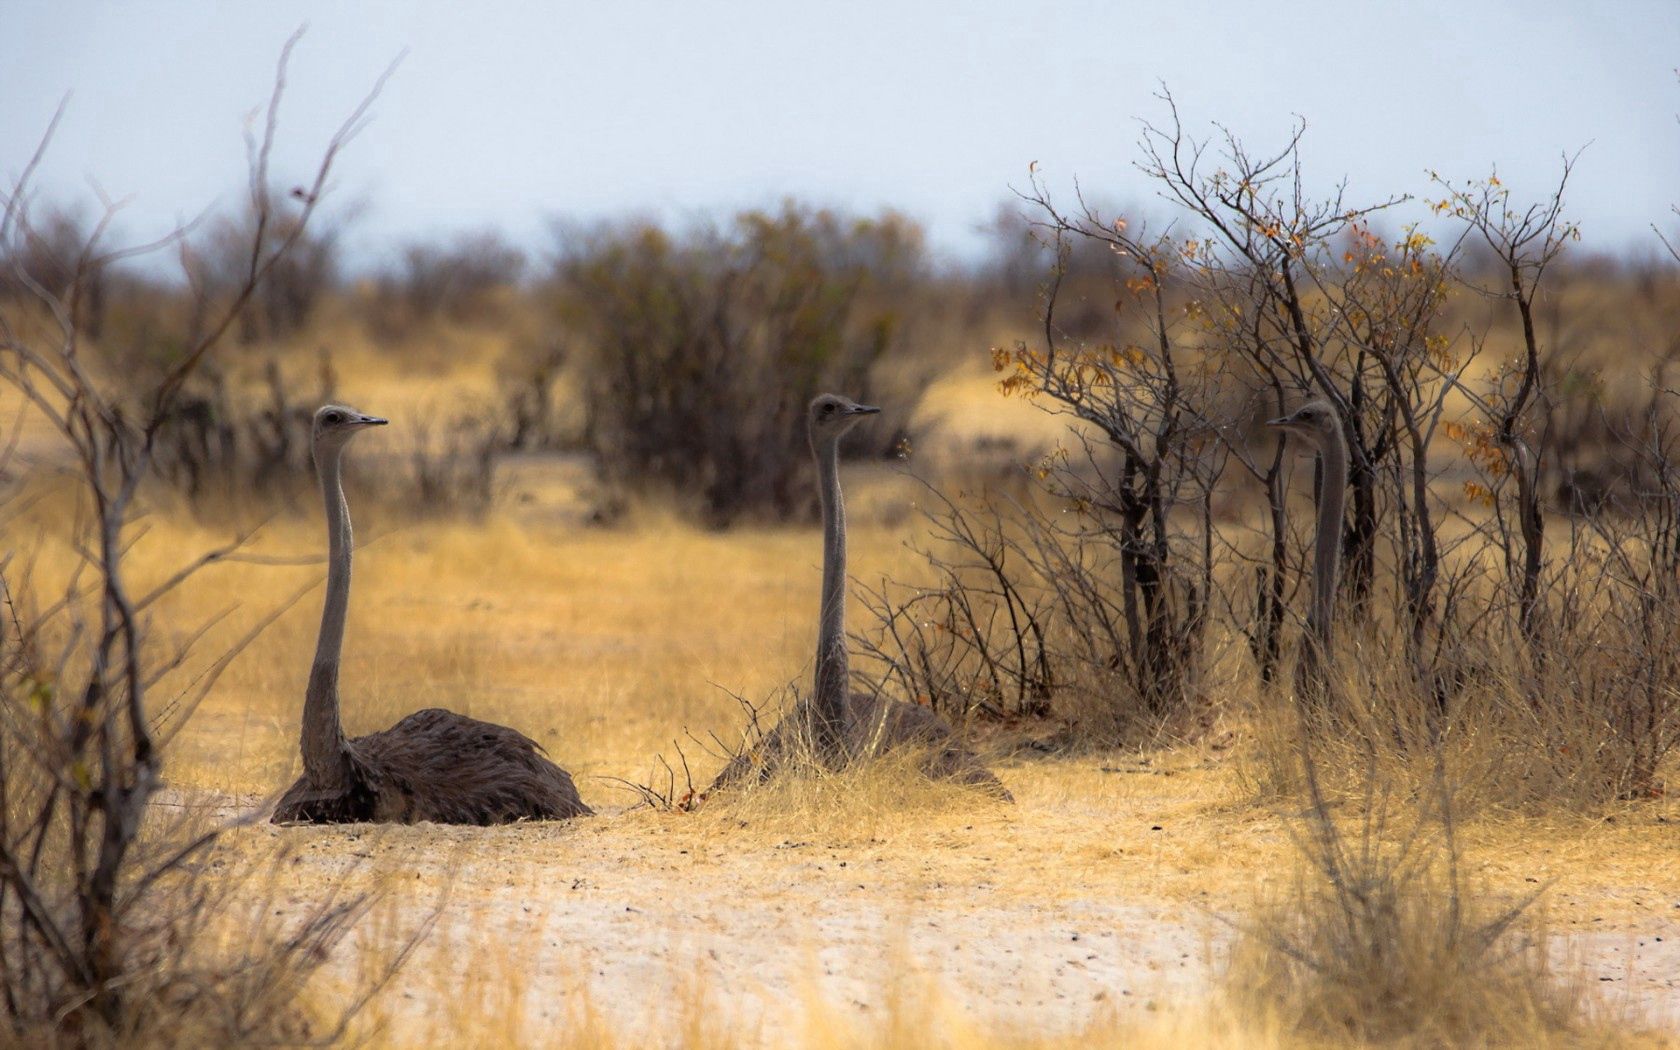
point(1263, 248)
point(80, 741)
point(1525, 241)
point(1140, 452)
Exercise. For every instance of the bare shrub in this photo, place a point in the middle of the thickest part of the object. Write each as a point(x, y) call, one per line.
point(457, 280)
point(1093, 595)
point(1526, 241)
point(1025, 617)
point(528, 379)
point(46, 253)
point(699, 350)
point(972, 642)
point(215, 444)
point(295, 286)
point(105, 909)
point(115, 930)
point(450, 468)
point(220, 445)
point(1607, 696)
point(1022, 251)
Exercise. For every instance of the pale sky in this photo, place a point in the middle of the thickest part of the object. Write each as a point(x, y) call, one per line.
point(508, 114)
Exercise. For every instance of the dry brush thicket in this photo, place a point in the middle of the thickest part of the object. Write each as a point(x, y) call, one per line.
point(1510, 584)
point(690, 352)
point(120, 923)
point(1154, 563)
point(701, 348)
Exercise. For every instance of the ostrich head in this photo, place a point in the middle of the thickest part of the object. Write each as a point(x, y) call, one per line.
point(1315, 421)
point(336, 424)
point(832, 415)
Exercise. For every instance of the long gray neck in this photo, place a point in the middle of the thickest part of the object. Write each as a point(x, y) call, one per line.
point(833, 671)
point(325, 754)
point(1332, 499)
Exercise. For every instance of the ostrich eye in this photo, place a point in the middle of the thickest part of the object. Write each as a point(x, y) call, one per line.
point(335, 417)
point(828, 410)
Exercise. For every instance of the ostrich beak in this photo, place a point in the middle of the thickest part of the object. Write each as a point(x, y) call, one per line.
point(864, 410)
point(373, 421)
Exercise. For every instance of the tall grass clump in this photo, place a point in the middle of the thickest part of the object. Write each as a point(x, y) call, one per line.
point(1382, 938)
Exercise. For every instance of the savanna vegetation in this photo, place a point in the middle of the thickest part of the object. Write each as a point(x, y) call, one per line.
point(1447, 822)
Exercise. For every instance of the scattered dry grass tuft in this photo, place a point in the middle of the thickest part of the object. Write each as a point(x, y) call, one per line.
point(1399, 958)
point(1382, 939)
point(860, 799)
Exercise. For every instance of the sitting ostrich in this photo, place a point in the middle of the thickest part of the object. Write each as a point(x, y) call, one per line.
point(1316, 422)
point(838, 724)
point(433, 765)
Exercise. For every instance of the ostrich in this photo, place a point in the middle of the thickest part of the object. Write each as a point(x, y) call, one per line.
point(434, 764)
point(1317, 423)
point(838, 723)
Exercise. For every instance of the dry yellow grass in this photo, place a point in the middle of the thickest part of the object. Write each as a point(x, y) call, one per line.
point(871, 913)
point(605, 647)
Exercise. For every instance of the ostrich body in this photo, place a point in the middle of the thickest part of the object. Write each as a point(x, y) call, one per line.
point(434, 764)
point(1316, 423)
point(842, 725)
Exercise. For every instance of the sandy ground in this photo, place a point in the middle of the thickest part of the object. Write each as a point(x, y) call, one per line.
point(1009, 924)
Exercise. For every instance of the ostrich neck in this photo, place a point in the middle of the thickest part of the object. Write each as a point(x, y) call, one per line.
point(833, 671)
point(1332, 498)
point(325, 758)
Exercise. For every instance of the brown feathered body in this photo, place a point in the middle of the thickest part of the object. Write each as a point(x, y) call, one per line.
point(443, 767)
